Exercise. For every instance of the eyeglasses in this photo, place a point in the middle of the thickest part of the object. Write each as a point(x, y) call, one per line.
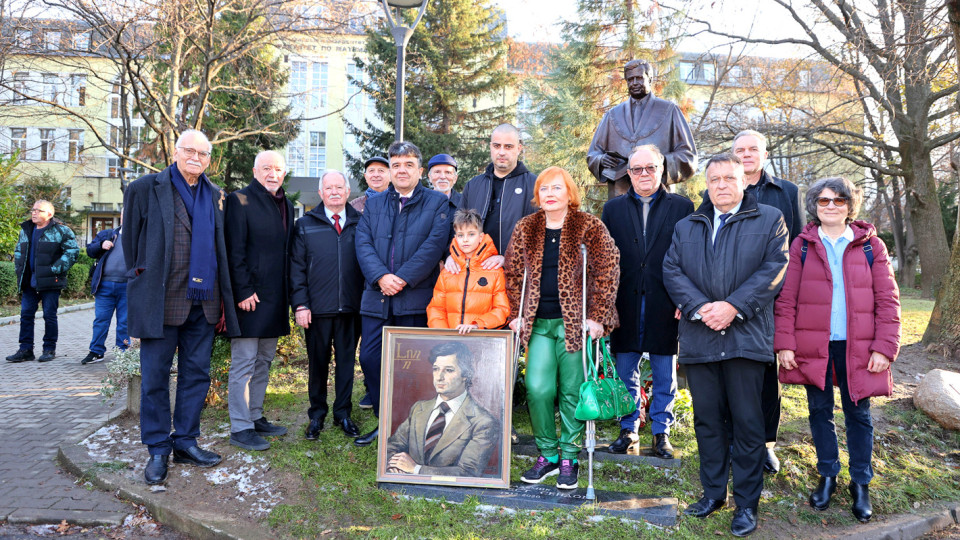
point(37, 210)
point(839, 202)
point(190, 152)
point(649, 169)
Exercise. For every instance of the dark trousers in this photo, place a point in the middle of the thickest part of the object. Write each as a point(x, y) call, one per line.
point(770, 401)
point(856, 417)
point(29, 301)
point(340, 331)
point(193, 343)
point(728, 392)
point(371, 347)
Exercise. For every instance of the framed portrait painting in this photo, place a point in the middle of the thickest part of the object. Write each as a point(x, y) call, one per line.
point(445, 407)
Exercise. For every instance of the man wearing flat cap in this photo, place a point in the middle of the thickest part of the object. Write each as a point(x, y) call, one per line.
point(376, 172)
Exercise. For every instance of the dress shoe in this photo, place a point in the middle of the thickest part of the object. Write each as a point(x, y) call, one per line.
point(265, 428)
point(744, 521)
point(862, 510)
point(349, 428)
point(704, 507)
point(626, 439)
point(367, 439)
point(661, 446)
point(249, 439)
point(156, 469)
point(48, 355)
point(23, 355)
point(196, 456)
point(820, 498)
point(314, 429)
point(770, 463)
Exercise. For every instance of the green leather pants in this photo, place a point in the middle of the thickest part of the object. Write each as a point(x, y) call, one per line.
point(550, 368)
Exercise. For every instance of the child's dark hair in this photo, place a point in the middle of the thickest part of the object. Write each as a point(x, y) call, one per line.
point(467, 218)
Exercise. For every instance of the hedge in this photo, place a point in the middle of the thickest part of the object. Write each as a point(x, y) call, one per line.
point(77, 278)
point(8, 282)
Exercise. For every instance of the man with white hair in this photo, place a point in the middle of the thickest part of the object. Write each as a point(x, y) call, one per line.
point(325, 287)
point(259, 220)
point(178, 274)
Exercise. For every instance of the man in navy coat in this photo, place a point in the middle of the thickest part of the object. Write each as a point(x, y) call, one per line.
point(641, 223)
point(401, 239)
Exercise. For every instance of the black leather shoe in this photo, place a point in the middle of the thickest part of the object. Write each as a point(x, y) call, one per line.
point(47, 355)
point(349, 428)
point(367, 439)
point(156, 470)
point(196, 456)
point(704, 507)
point(771, 464)
point(22, 355)
point(661, 446)
point(313, 430)
point(265, 428)
point(862, 510)
point(820, 498)
point(626, 439)
point(744, 521)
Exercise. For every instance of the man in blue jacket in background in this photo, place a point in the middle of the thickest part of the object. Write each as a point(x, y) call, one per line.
point(109, 288)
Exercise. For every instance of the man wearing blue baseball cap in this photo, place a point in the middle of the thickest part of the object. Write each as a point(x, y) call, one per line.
point(442, 172)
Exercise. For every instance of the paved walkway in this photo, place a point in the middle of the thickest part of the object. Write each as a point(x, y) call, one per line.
point(42, 406)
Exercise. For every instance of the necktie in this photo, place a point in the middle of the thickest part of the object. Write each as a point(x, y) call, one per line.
point(403, 201)
point(723, 221)
point(336, 223)
point(646, 211)
point(436, 430)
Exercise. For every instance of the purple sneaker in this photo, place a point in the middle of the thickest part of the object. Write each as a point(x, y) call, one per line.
point(568, 474)
point(540, 470)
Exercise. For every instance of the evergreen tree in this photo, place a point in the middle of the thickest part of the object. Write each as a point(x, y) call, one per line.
point(455, 63)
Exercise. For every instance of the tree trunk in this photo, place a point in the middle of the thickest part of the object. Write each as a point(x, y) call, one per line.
point(924, 206)
point(944, 327)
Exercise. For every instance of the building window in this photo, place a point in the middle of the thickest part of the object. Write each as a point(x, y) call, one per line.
point(709, 72)
point(51, 40)
point(804, 78)
point(47, 146)
point(298, 86)
point(18, 141)
point(295, 158)
point(21, 87)
point(81, 41)
point(78, 90)
point(318, 88)
point(687, 71)
point(318, 154)
point(113, 166)
point(23, 38)
point(75, 143)
point(115, 101)
point(51, 83)
point(734, 75)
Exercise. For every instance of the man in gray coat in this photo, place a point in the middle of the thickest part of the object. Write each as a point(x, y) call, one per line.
point(723, 270)
point(177, 276)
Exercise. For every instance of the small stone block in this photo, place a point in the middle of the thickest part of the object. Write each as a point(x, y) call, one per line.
point(83, 518)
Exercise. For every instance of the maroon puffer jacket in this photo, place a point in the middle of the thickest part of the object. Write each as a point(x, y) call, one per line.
point(802, 312)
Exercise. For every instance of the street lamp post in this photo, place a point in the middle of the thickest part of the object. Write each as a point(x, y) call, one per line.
point(401, 35)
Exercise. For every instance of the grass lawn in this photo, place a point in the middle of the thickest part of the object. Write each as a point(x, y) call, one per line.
point(341, 499)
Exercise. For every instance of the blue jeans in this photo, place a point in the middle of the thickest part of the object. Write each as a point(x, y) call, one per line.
point(193, 343)
point(111, 296)
point(371, 347)
point(29, 301)
point(856, 417)
point(664, 385)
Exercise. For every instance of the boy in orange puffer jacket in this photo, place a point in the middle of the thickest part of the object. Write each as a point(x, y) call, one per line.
point(474, 298)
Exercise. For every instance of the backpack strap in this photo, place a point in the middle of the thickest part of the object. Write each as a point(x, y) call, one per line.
point(868, 251)
point(803, 251)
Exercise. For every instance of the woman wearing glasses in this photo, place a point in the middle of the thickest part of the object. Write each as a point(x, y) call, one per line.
point(838, 322)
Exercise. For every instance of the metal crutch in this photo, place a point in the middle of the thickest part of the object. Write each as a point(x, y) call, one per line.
point(590, 434)
point(516, 344)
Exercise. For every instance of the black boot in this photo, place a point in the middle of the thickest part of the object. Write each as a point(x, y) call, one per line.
point(820, 497)
point(862, 510)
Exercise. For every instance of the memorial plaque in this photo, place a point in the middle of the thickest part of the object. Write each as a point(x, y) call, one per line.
point(656, 510)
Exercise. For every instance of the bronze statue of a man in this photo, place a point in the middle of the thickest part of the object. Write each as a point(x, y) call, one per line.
point(643, 119)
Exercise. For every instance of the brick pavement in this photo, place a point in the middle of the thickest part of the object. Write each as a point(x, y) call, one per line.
point(44, 405)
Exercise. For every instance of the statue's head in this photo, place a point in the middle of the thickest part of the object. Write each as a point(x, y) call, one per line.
point(638, 73)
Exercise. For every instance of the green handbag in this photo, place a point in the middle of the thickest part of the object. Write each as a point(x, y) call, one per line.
point(603, 396)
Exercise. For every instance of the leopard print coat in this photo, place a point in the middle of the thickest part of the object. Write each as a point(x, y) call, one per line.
point(603, 273)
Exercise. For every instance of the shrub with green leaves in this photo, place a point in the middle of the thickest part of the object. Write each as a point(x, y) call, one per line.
point(77, 278)
point(8, 282)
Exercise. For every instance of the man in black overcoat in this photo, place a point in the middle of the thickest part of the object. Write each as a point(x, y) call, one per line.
point(259, 220)
point(641, 223)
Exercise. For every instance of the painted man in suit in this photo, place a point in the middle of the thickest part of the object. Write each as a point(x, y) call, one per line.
point(641, 223)
point(259, 221)
point(177, 277)
point(451, 434)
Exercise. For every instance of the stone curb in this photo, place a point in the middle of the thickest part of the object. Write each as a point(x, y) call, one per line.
point(908, 527)
point(15, 319)
point(165, 509)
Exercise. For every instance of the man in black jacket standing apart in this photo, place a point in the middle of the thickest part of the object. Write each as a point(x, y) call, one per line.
point(502, 194)
point(751, 147)
point(259, 220)
point(723, 270)
point(325, 287)
point(641, 223)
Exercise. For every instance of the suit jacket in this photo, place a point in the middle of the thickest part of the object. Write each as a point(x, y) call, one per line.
point(641, 270)
point(149, 250)
point(465, 447)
